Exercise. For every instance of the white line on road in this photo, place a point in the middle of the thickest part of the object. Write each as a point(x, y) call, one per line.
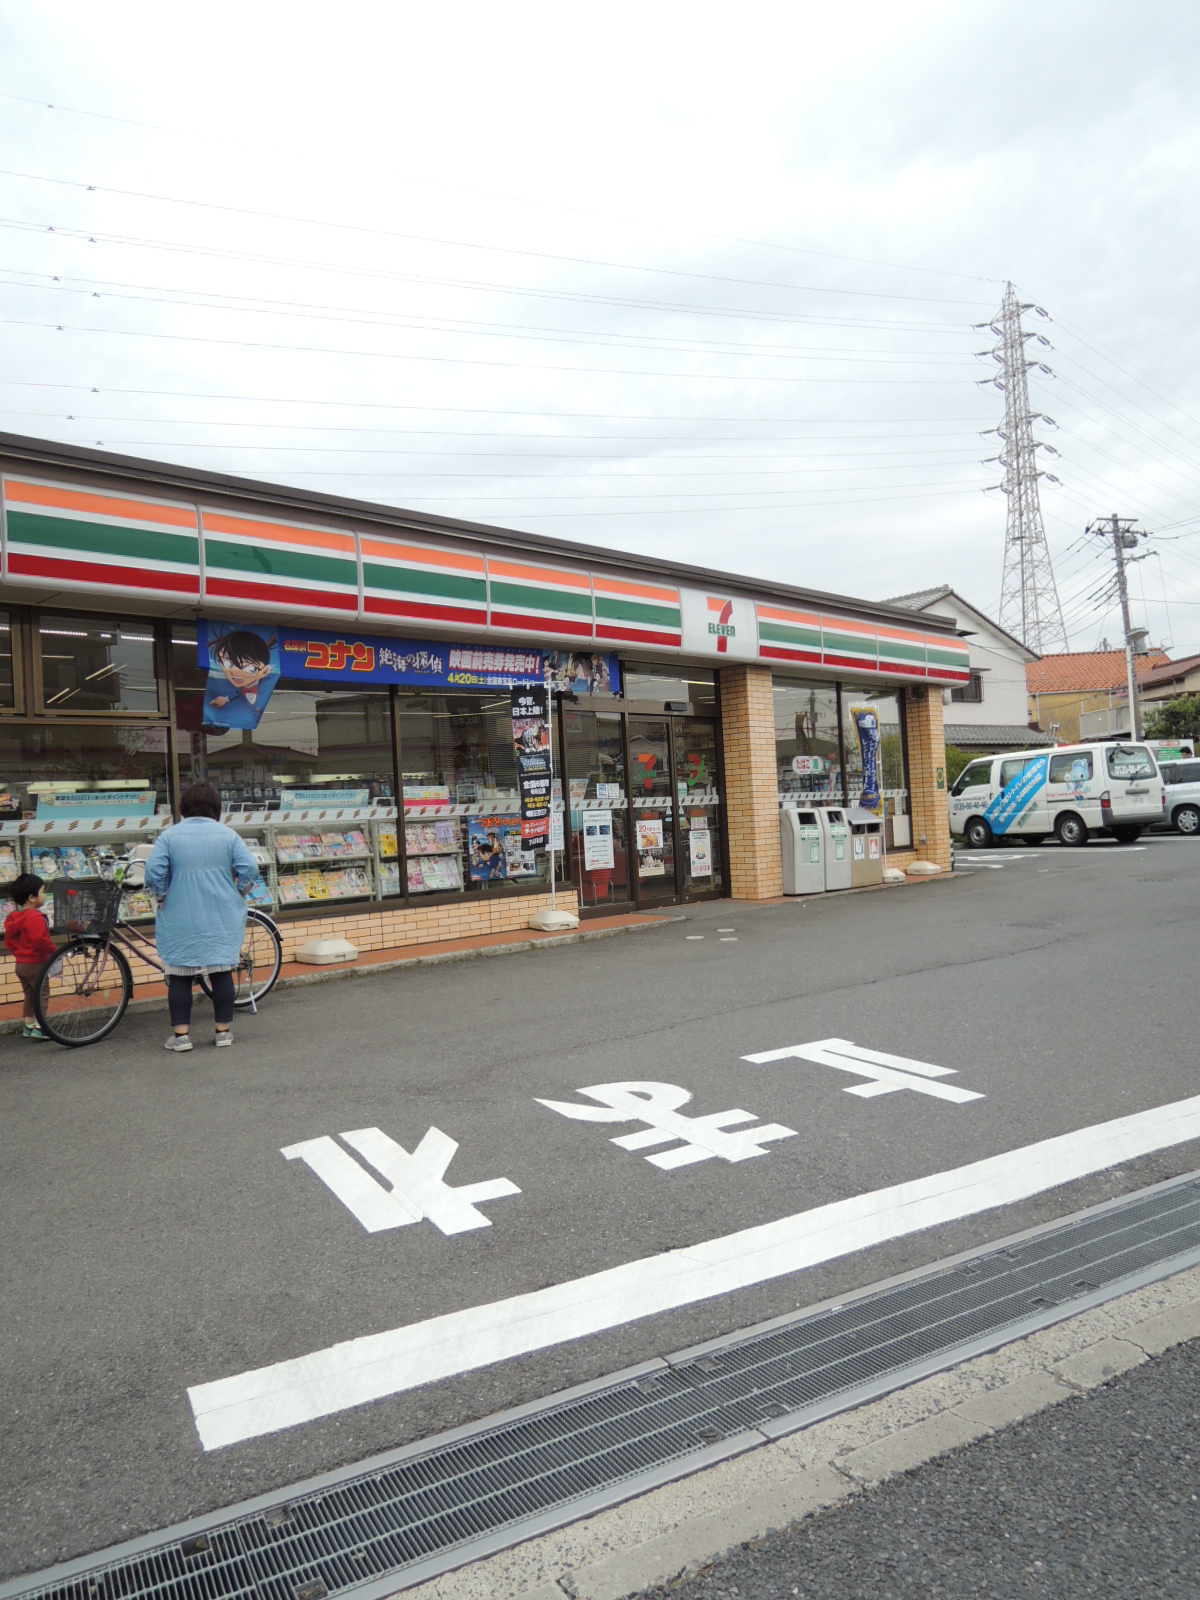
point(356, 1371)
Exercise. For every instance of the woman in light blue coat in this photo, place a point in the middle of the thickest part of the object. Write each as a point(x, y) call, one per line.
point(200, 870)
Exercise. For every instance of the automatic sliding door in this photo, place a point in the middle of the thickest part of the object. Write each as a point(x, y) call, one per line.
point(652, 816)
point(698, 791)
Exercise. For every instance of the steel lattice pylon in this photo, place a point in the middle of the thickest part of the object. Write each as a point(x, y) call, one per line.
point(1029, 603)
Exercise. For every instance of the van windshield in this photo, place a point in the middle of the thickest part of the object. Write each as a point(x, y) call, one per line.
point(972, 777)
point(1130, 761)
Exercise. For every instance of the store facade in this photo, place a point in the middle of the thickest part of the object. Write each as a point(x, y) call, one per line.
point(356, 682)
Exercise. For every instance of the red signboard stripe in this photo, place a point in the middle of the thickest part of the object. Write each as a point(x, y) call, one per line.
point(280, 594)
point(94, 573)
point(636, 635)
point(779, 652)
point(514, 619)
point(375, 606)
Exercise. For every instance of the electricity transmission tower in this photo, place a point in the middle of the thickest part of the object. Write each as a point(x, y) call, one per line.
point(1029, 604)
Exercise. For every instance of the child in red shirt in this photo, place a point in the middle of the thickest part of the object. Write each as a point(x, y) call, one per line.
point(27, 939)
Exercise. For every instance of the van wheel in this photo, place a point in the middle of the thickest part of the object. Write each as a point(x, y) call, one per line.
point(978, 833)
point(1070, 829)
point(1127, 835)
point(1187, 820)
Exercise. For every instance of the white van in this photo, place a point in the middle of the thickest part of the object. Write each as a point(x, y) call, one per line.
point(1071, 792)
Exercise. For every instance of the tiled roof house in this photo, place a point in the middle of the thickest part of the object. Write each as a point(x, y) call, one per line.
point(1072, 694)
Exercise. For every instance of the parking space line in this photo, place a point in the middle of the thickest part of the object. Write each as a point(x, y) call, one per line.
point(356, 1371)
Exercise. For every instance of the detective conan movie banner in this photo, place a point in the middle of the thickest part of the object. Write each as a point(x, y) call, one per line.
point(531, 743)
point(245, 660)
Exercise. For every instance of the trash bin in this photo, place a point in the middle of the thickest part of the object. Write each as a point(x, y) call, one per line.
point(835, 841)
point(801, 847)
point(866, 848)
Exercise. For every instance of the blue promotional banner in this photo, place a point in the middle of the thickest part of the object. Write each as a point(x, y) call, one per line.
point(866, 721)
point(245, 661)
point(1010, 803)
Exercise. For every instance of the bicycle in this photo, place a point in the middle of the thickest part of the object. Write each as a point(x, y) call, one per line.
point(85, 989)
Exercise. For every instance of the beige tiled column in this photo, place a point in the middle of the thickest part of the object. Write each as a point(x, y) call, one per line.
point(927, 776)
point(751, 786)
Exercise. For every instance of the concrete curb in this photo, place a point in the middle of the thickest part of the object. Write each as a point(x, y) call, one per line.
point(301, 980)
point(686, 1525)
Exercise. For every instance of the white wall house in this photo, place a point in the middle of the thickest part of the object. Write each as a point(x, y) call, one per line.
point(992, 711)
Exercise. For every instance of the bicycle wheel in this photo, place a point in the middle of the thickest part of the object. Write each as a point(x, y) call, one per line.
point(83, 992)
point(258, 969)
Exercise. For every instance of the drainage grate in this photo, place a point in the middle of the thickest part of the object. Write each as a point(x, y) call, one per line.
point(435, 1505)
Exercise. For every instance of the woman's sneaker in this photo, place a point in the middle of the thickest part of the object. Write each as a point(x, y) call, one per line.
point(178, 1042)
point(32, 1031)
point(225, 1037)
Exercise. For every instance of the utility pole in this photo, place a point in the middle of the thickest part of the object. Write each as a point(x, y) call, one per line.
point(1125, 538)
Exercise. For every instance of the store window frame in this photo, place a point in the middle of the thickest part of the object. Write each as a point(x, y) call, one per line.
point(159, 628)
point(19, 649)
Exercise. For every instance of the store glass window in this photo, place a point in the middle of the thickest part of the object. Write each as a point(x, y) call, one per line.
point(95, 664)
point(462, 810)
point(886, 706)
point(116, 774)
point(313, 751)
point(599, 819)
point(808, 760)
point(7, 681)
point(655, 683)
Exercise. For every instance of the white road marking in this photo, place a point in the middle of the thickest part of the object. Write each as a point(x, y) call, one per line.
point(727, 938)
point(887, 1073)
point(356, 1371)
point(658, 1105)
point(693, 936)
point(418, 1188)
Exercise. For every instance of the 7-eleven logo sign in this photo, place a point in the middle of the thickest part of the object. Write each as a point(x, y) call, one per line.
point(720, 622)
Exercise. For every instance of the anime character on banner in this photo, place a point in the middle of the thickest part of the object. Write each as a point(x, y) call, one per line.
point(866, 722)
point(243, 669)
point(576, 672)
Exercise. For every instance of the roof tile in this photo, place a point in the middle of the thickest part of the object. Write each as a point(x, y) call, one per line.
point(1087, 670)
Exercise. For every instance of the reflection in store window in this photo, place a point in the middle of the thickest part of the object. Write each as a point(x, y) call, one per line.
point(596, 784)
point(696, 685)
point(808, 760)
point(94, 664)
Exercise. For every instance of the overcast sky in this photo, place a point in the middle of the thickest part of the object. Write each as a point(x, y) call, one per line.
point(694, 281)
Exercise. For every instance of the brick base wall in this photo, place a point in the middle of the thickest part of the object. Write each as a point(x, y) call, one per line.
point(383, 928)
point(751, 785)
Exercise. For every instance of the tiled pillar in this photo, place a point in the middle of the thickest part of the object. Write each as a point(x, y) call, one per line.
point(751, 785)
point(927, 776)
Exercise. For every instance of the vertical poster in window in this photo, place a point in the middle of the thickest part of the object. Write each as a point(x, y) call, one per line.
point(243, 668)
point(598, 841)
point(866, 721)
point(651, 862)
point(531, 742)
point(700, 850)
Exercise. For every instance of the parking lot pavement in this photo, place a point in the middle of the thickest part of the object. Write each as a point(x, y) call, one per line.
point(1096, 1496)
point(414, 1159)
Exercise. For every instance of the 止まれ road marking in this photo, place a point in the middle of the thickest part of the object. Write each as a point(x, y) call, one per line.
point(356, 1371)
point(886, 1073)
point(418, 1187)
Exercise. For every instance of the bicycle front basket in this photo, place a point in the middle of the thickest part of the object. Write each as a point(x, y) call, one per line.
point(85, 905)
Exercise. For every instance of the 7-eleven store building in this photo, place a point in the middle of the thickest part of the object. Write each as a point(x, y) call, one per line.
point(364, 745)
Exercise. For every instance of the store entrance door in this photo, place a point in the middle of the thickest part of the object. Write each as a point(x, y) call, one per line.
point(674, 788)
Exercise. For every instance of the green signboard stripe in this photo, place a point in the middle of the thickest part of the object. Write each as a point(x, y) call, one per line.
point(418, 580)
point(643, 612)
point(889, 650)
point(541, 602)
point(103, 539)
point(269, 561)
point(781, 633)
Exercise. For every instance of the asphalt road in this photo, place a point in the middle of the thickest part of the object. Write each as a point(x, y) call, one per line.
point(1096, 1497)
point(156, 1239)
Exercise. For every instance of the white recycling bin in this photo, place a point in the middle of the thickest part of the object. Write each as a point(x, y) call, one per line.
point(835, 842)
point(802, 848)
